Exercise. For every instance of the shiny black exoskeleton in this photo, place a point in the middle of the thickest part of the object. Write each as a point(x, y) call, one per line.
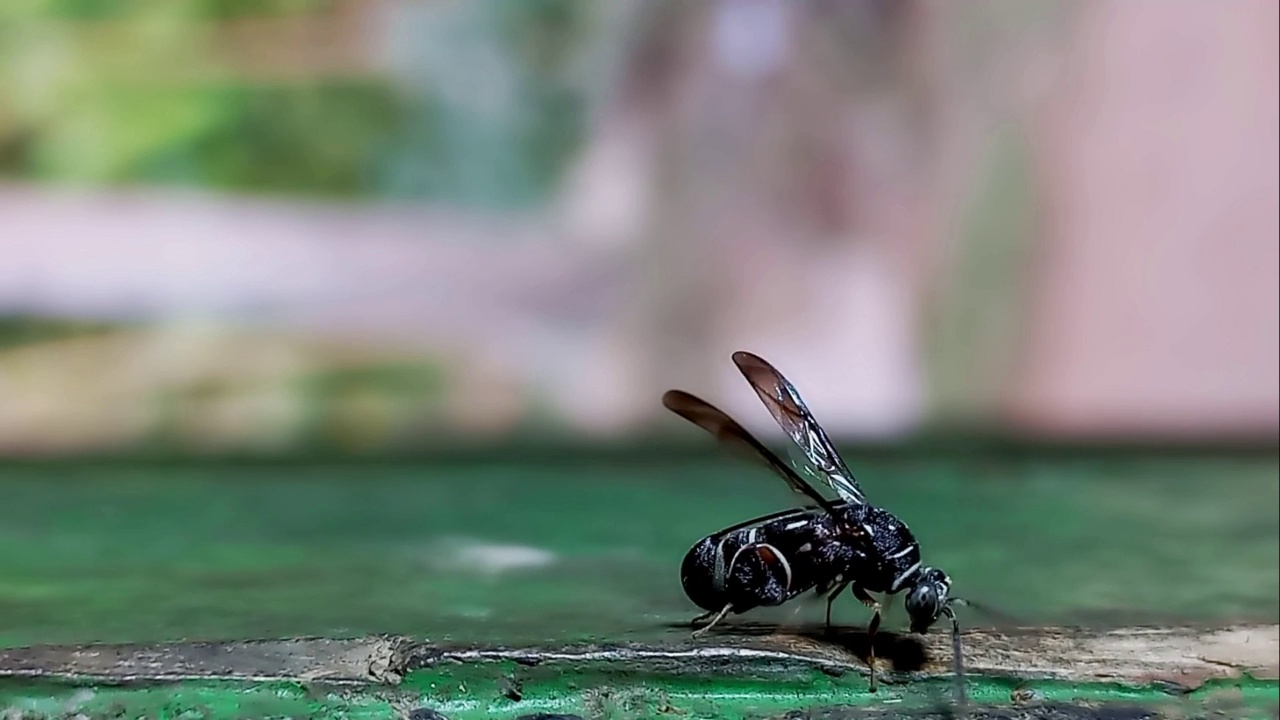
point(845, 543)
point(765, 562)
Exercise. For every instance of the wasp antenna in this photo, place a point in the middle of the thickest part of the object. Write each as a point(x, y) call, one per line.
point(991, 612)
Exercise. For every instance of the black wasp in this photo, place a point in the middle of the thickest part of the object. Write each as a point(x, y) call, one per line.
point(774, 558)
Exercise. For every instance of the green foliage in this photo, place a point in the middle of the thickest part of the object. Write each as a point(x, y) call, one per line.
point(485, 111)
point(544, 33)
point(113, 131)
point(369, 406)
point(497, 110)
point(19, 330)
point(316, 140)
point(204, 9)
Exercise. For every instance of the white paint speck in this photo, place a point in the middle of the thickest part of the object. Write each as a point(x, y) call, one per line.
point(474, 556)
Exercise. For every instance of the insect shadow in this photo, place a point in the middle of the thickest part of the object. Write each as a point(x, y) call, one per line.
point(904, 652)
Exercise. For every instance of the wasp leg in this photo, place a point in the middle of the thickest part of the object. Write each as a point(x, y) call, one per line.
point(702, 618)
point(762, 549)
point(872, 627)
point(826, 628)
point(717, 617)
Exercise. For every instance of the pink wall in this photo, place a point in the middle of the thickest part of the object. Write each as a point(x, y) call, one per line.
point(1157, 301)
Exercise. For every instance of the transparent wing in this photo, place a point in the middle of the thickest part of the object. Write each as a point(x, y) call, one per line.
point(731, 434)
point(790, 412)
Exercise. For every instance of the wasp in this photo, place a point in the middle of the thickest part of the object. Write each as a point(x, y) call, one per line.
point(824, 546)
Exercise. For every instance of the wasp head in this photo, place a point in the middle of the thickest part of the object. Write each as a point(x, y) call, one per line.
point(927, 599)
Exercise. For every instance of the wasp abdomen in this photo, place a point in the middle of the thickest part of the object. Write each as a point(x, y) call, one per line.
point(698, 577)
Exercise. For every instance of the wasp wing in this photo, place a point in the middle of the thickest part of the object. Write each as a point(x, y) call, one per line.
point(789, 411)
point(731, 434)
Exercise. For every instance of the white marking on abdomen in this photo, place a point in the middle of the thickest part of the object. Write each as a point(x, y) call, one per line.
point(897, 582)
point(721, 570)
point(902, 552)
point(796, 524)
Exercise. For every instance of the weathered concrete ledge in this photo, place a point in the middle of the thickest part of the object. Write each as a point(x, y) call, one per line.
point(1179, 659)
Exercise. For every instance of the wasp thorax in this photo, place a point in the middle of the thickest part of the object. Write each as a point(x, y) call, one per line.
point(927, 598)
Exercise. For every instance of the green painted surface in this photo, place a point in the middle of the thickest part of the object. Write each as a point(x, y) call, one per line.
point(481, 693)
point(522, 554)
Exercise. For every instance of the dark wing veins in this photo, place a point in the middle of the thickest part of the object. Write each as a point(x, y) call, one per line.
point(793, 416)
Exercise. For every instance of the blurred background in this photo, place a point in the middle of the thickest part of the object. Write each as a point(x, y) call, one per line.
point(257, 224)
point(279, 227)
